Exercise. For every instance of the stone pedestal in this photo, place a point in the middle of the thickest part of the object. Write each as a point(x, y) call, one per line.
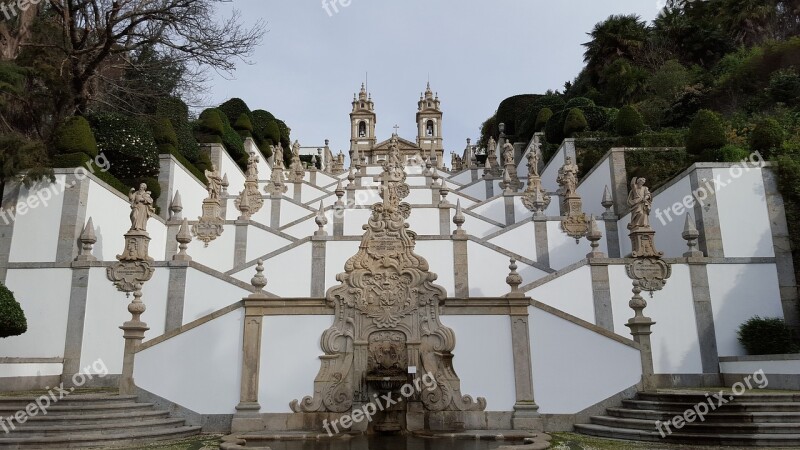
point(640, 327)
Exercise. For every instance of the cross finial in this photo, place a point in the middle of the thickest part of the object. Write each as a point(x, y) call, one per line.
point(396, 127)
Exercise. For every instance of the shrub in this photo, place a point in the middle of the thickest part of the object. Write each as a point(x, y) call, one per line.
point(629, 122)
point(579, 102)
point(165, 137)
point(769, 336)
point(541, 119)
point(784, 87)
point(128, 144)
point(214, 127)
point(767, 135)
point(244, 126)
point(511, 111)
point(211, 122)
point(575, 122)
point(12, 318)
point(177, 112)
point(74, 136)
point(233, 109)
point(728, 153)
point(705, 133)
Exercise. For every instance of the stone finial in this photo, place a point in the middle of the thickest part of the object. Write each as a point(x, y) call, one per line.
point(339, 192)
point(443, 191)
point(594, 235)
point(183, 238)
point(88, 239)
point(321, 221)
point(514, 280)
point(459, 220)
point(351, 177)
point(259, 281)
point(502, 128)
point(225, 184)
point(507, 182)
point(690, 234)
point(539, 204)
point(244, 207)
point(176, 206)
point(608, 201)
point(435, 177)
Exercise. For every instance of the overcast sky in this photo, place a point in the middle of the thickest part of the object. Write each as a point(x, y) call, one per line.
point(476, 53)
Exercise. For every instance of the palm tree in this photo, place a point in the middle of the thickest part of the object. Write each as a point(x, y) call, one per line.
point(619, 36)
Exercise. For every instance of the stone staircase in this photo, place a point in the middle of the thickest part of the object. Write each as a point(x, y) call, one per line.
point(753, 419)
point(86, 420)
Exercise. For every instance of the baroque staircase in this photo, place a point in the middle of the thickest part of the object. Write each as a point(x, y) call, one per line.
point(751, 419)
point(86, 420)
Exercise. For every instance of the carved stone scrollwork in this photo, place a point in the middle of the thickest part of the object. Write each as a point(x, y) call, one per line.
point(576, 223)
point(386, 297)
point(648, 269)
point(209, 226)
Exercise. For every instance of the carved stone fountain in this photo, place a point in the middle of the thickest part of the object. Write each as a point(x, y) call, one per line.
point(387, 322)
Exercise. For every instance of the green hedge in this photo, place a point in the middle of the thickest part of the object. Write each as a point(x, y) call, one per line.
point(705, 133)
point(629, 122)
point(74, 136)
point(575, 122)
point(544, 115)
point(214, 127)
point(177, 112)
point(766, 336)
point(12, 318)
point(234, 108)
point(767, 136)
point(657, 166)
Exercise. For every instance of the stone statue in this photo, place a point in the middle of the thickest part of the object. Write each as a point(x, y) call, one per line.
point(533, 161)
point(491, 147)
point(141, 207)
point(214, 183)
point(568, 178)
point(508, 153)
point(640, 201)
point(394, 155)
point(278, 152)
point(252, 166)
point(296, 148)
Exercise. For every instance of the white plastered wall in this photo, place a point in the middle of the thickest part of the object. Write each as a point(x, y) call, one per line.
point(743, 216)
point(571, 293)
point(206, 294)
point(35, 235)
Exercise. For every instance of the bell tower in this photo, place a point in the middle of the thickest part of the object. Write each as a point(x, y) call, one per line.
point(362, 123)
point(429, 124)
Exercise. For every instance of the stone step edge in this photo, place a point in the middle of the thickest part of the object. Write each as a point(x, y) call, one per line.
point(714, 414)
point(700, 425)
point(91, 438)
point(67, 408)
point(134, 414)
point(719, 437)
point(99, 426)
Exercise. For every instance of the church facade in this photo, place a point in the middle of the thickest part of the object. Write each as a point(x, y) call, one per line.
point(364, 144)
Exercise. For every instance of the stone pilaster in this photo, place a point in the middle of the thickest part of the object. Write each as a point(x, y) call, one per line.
point(166, 177)
point(9, 202)
point(240, 244)
point(173, 226)
point(489, 187)
point(76, 317)
point(460, 265)
point(298, 192)
point(612, 237)
point(783, 250)
point(176, 294)
point(508, 200)
point(601, 294)
point(619, 180)
point(73, 217)
point(526, 411)
point(338, 220)
point(318, 248)
point(275, 212)
point(707, 213)
point(704, 317)
point(640, 327)
point(540, 237)
point(247, 417)
point(444, 219)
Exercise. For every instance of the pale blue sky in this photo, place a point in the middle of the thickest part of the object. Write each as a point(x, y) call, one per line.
point(476, 52)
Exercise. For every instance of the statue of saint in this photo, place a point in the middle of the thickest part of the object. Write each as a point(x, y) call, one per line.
point(533, 161)
point(215, 183)
point(640, 201)
point(296, 148)
point(252, 166)
point(508, 153)
point(568, 178)
point(141, 207)
point(491, 147)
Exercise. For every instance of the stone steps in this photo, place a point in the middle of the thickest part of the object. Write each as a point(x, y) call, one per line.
point(752, 419)
point(85, 421)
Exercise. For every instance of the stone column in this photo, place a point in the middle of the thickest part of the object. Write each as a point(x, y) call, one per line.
point(508, 199)
point(460, 257)
point(444, 219)
point(297, 193)
point(275, 212)
point(166, 177)
point(707, 213)
point(8, 205)
point(619, 181)
point(318, 249)
point(489, 187)
point(704, 320)
point(601, 294)
point(133, 332)
point(640, 327)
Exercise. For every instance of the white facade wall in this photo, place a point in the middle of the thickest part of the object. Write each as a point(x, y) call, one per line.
point(288, 273)
point(36, 221)
point(488, 270)
point(219, 253)
point(771, 367)
point(743, 216)
point(521, 240)
point(571, 293)
point(192, 192)
point(573, 367)
point(206, 294)
point(592, 187)
point(199, 369)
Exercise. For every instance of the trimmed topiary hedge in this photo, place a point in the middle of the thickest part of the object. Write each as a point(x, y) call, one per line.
point(74, 136)
point(629, 122)
point(12, 318)
point(165, 137)
point(575, 122)
point(705, 133)
point(177, 112)
point(234, 108)
point(244, 126)
point(579, 102)
point(544, 115)
point(214, 127)
point(767, 336)
point(657, 166)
